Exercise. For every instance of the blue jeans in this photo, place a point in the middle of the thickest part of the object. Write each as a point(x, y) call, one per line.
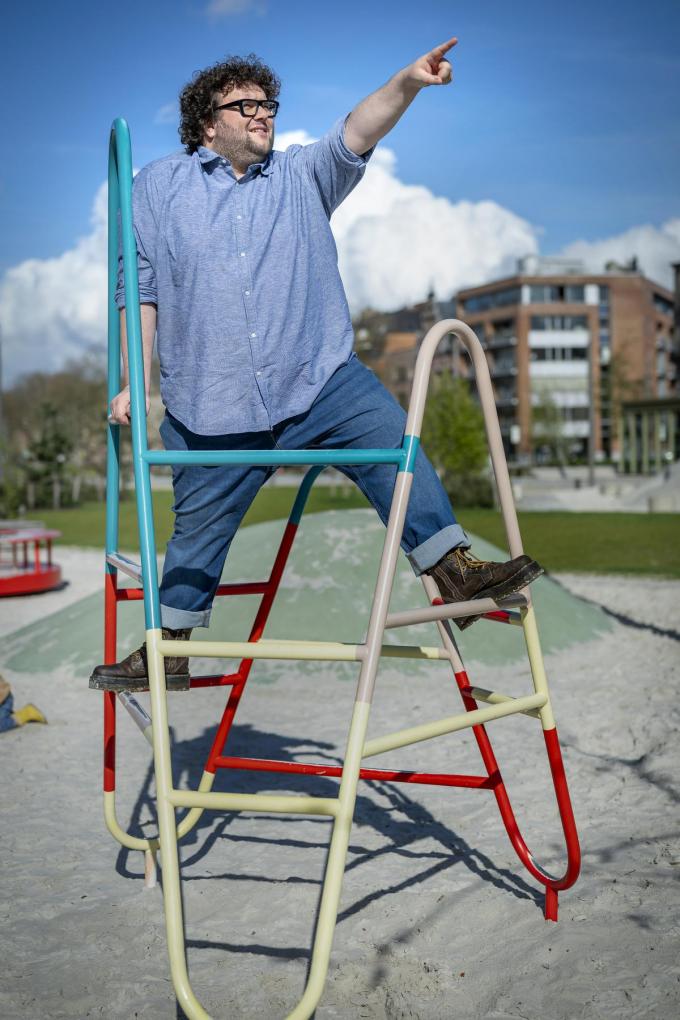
point(7, 720)
point(353, 410)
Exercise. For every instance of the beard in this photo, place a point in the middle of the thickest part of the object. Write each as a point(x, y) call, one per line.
point(240, 146)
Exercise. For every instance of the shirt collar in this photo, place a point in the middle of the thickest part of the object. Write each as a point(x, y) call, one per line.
point(208, 156)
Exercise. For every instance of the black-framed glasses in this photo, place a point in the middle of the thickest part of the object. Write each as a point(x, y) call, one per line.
point(249, 107)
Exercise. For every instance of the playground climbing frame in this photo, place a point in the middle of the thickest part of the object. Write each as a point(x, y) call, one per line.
point(515, 611)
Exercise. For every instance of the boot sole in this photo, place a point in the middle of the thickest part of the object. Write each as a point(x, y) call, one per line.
point(177, 682)
point(524, 577)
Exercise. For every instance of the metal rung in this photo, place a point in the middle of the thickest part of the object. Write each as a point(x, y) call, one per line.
point(274, 458)
point(454, 722)
point(506, 616)
point(125, 565)
point(379, 775)
point(454, 610)
point(318, 651)
point(495, 698)
point(139, 715)
point(296, 805)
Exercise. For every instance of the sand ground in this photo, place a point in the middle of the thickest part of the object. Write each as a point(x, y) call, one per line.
point(437, 920)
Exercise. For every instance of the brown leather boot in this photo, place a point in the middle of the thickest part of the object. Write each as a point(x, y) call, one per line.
point(460, 576)
point(131, 674)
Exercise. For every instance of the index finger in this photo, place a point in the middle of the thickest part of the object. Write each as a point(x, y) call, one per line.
point(442, 49)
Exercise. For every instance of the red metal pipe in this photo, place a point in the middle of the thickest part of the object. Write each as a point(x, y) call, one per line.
point(301, 768)
point(256, 630)
point(552, 884)
point(254, 588)
point(217, 680)
point(499, 615)
point(243, 588)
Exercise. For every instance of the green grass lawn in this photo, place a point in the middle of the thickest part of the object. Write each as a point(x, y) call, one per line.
point(585, 542)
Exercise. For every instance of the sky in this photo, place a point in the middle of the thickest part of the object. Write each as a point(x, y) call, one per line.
point(560, 134)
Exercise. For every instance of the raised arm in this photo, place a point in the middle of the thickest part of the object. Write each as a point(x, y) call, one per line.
point(378, 113)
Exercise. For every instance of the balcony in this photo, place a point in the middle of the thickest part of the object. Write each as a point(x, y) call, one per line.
point(494, 343)
point(503, 370)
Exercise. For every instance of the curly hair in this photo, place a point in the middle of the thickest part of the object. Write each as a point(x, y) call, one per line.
point(195, 99)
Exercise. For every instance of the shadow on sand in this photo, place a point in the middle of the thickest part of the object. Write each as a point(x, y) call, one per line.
point(401, 821)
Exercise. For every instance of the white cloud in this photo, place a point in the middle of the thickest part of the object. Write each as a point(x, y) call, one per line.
point(395, 241)
point(654, 247)
point(225, 8)
point(55, 309)
point(167, 114)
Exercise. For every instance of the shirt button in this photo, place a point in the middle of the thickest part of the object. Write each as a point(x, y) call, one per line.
point(258, 373)
point(238, 217)
point(253, 334)
point(247, 293)
point(243, 254)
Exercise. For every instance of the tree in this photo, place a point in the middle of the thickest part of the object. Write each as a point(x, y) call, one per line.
point(46, 458)
point(454, 439)
point(547, 428)
point(60, 415)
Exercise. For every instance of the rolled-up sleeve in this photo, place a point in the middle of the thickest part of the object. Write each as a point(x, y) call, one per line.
point(144, 222)
point(334, 169)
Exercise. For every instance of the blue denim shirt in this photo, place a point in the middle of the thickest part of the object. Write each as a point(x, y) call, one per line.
point(252, 315)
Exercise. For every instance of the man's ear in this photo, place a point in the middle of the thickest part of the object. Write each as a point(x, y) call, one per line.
point(209, 128)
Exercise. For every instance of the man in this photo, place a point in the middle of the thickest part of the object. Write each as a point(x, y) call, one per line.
point(239, 281)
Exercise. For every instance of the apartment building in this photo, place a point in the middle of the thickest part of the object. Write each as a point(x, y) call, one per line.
point(583, 343)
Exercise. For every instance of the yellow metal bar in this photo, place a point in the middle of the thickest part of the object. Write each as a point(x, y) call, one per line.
point(331, 651)
point(413, 652)
point(454, 722)
point(496, 698)
point(327, 651)
point(335, 866)
point(123, 837)
point(537, 666)
point(192, 816)
point(172, 896)
point(299, 805)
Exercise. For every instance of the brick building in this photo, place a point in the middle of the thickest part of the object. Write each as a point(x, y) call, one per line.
point(585, 343)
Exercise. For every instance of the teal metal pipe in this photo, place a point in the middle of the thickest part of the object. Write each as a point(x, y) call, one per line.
point(410, 449)
point(113, 435)
point(275, 457)
point(120, 144)
point(303, 493)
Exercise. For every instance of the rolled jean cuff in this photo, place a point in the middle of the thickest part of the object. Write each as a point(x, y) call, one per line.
point(425, 555)
point(180, 619)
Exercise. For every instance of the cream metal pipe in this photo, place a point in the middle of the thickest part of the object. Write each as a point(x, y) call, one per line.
point(402, 738)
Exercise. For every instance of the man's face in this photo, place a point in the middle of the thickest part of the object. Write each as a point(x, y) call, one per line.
point(241, 140)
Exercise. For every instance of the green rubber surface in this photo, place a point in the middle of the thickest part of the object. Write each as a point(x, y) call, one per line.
point(325, 594)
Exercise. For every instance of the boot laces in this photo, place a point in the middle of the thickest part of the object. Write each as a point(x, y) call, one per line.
point(466, 561)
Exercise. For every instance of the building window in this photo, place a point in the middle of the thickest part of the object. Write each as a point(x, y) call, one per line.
point(545, 293)
point(494, 299)
point(559, 353)
point(662, 304)
point(542, 294)
point(575, 413)
point(559, 322)
point(504, 329)
point(575, 293)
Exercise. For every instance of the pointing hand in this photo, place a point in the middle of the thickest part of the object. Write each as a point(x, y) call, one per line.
point(433, 68)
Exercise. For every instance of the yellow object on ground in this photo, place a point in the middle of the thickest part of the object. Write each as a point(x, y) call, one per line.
point(29, 713)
